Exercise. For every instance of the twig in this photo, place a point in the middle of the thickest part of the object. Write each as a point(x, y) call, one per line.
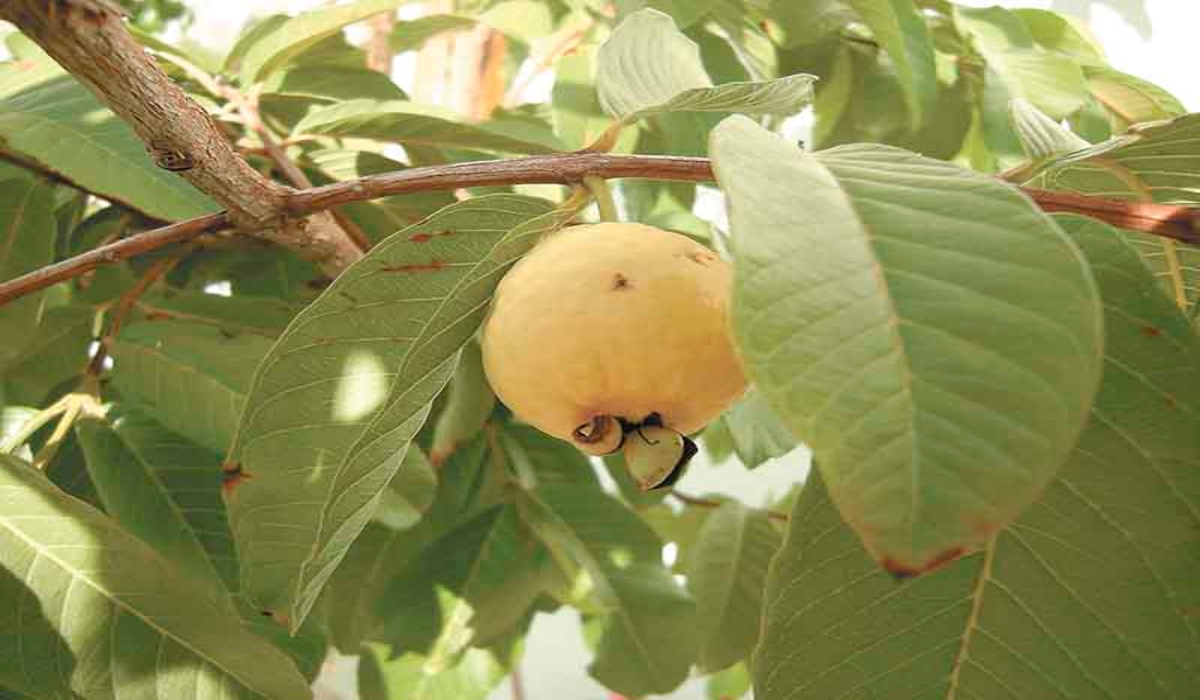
point(517, 683)
point(713, 503)
point(112, 253)
point(247, 107)
point(124, 305)
point(1175, 222)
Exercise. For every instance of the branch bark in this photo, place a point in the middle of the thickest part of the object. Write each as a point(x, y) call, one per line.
point(89, 40)
point(1175, 222)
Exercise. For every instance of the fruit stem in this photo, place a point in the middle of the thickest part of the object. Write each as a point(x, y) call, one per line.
point(599, 188)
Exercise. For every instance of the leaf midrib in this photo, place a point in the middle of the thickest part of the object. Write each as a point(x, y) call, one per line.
point(107, 594)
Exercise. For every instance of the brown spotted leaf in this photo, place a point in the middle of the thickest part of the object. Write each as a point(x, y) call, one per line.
point(334, 405)
point(898, 313)
point(1091, 593)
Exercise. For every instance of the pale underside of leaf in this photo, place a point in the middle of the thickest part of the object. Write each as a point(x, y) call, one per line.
point(885, 306)
point(110, 613)
point(335, 403)
point(1088, 594)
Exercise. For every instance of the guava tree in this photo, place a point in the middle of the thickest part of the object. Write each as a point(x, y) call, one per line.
point(246, 408)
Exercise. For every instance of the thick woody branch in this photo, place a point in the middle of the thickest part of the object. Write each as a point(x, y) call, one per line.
point(1178, 223)
point(88, 38)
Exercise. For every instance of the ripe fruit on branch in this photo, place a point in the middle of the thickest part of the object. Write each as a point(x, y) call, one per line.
point(604, 329)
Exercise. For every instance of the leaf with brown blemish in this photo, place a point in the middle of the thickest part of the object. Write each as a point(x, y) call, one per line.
point(1086, 595)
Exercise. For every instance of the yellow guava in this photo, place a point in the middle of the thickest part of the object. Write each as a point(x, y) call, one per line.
point(602, 327)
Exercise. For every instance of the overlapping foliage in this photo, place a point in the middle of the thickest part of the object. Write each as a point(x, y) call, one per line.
point(1002, 403)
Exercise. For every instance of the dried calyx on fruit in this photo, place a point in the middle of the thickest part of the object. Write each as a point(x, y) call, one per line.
point(616, 336)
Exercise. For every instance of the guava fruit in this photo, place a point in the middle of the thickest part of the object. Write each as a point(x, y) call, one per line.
point(604, 328)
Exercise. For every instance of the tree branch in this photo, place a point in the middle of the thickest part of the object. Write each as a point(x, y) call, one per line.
point(89, 40)
point(1175, 222)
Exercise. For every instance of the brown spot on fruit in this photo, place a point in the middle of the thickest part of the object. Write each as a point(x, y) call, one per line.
point(232, 476)
point(416, 267)
point(703, 258)
point(620, 282)
point(903, 572)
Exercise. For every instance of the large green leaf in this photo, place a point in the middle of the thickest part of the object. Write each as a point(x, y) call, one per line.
point(896, 312)
point(51, 121)
point(337, 400)
point(1090, 594)
point(57, 352)
point(26, 243)
point(279, 44)
point(90, 608)
point(647, 643)
point(900, 29)
point(424, 125)
point(192, 378)
point(1156, 162)
point(727, 575)
point(135, 492)
point(649, 67)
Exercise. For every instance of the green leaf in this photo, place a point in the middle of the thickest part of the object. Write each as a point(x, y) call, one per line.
point(412, 35)
point(332, 83)
point(490, 564)
point(578, 117)
point(469, 404)
point(58, 352)
point(647, 643)
point(1156, 162)
point(1062, 33)
point(731, 684)
point(684, 12)
point(414, 677)
point(900, 29)
point(1130, 100)
point(811, 22)
point(26, 244)
point(52, 122)
point(410, 492)
point(380, 553)
point(135, 494)
point(337, 400)
point(1041, 136)
point(649, 67)
point(1052, 81)
point(727, 573)
point(537, 458)
point(405, 122)
point(275, 46)
point(934, 423)
point(91, 608)
point(232, 316)
point(757, 431)
point(1087, 594)
point(192, 378)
